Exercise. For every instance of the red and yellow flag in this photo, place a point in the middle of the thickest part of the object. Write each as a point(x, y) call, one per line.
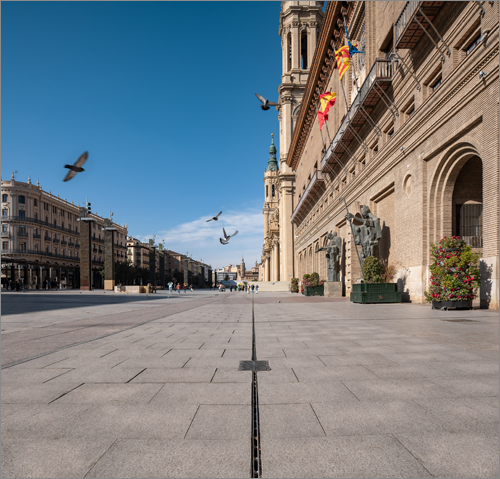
point(327, 100)
point(343, 60)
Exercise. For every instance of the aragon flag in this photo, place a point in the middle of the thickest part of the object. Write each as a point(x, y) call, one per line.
point(343, 60)
point(327, 100)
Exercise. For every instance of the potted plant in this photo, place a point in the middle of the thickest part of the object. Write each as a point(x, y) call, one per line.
point(312, 285)
point(294, 285)
point(454, 279)
point(377, 285)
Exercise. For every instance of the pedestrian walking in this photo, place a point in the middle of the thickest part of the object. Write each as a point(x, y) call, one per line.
point(253, 287)
point(191, 288)
point(256, 289)
point(178, 288)
point(170, 287)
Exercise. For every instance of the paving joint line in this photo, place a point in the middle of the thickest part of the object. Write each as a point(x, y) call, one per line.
point(15, 363)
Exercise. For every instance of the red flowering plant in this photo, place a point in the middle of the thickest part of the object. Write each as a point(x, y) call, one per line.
point(454, 271)
point(311, 280)
point(294, 285)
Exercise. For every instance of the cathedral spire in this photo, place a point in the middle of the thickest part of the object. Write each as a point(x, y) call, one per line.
point(272, 164)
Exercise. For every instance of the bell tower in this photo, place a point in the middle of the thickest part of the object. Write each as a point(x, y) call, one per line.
point(300, 23)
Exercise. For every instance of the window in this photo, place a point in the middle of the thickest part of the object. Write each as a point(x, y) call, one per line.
point(474, 42)
point(5, 212)
point(22, 246)
point(436, 83)
point(352, 173)
point(22, 230)
point(22, 199)
point(55, 250)
point(303, 50)
point(63, 252)
point(5, 198)
point(272, 191)
point(46, 219)
point(362, 163)
point(62, 213)
point(267, 192)
point(22, 214)
point(35, 202)
point(55, 222)
point(46, 206)
point(36, 216)
point(46, 249)
point(36, 247)
point(54, 209)
point(62, 225)
point(5, 228)
point(5, 245)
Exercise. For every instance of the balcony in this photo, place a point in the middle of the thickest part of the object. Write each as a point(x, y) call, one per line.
point(36, 252)
point(407, 31)
point(5, 234)
point(77, 245)
point(311, 194)
point(94, 250)
point(47, 238)
point(64, 242)
point(56, 240)
point(71, 244)
point(378, 80)
point(22, 234)
point(38, 222)
point(36, 236)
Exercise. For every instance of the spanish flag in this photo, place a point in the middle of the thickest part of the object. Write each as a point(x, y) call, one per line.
point(343, 60)
point(327, 100)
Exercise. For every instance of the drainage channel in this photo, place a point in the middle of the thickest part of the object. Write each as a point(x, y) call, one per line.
point(256, 467)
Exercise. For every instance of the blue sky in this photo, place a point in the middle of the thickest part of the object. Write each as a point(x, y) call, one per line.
point(161, 95)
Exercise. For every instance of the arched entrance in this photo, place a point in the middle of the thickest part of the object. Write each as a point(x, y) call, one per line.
point(467, 207)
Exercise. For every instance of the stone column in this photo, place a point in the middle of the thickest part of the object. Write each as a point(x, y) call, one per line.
point(268, 267)
point(295, 46)
point(277, 261)
point(109, 256)
point(85, 253)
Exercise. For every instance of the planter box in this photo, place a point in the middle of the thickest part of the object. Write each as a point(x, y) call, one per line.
point(467, 304)
point(313, 291)
point(375, 293)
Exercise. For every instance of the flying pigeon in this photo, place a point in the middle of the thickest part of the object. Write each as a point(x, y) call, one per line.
point(215, 218)
point(265, 103)
point(226, 240)
point(76, 168)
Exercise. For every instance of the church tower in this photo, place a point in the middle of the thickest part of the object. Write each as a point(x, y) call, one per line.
point(300, 23)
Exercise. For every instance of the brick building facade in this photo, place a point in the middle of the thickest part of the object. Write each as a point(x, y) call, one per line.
point(418, 141)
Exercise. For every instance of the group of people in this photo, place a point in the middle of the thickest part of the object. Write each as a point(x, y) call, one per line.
point(254, 288)
point(180, 287)
point(15, 286)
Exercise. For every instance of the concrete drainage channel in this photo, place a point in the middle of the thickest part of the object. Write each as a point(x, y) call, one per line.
point(254, 366)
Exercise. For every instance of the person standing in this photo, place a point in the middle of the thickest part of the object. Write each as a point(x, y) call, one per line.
point(256, 289)
point(253, 287)
point(170, 287)
point(191, 288)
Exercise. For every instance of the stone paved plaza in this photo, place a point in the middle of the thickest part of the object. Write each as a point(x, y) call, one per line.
point(102, 385)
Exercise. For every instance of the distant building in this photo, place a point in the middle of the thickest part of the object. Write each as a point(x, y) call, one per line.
point(41, 237)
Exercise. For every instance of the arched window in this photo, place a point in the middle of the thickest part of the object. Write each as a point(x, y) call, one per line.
point(5, 198)
point(303, 50)
point(22, 199)
point(272, 190)
point(289, 52)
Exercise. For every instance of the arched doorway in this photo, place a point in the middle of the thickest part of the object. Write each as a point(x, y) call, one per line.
point(467, 203)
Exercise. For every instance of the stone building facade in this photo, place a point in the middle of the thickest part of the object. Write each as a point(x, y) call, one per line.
point(418, 141)
point(41, 237)
point(300, 24)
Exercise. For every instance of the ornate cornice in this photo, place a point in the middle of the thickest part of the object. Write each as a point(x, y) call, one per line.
point(331, 38)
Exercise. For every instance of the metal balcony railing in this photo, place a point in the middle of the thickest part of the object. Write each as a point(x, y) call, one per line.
point(36, 252)
point(71, 244)
point(405, 17)
point(38, 222)
point(5, 234)
point(55, 240)
point(316, 179)
point(366, 99)
point(64, 242)
point(47, 238)
point(22, 234)
point(36, 236)
point(77, 245)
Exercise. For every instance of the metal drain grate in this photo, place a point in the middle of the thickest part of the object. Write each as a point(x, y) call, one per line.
point(254, 366)
point(461, 320)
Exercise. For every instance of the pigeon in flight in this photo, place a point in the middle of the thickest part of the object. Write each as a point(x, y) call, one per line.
point(76, 168)
point(226, 240)
point(215, 218)
point(265, 102)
